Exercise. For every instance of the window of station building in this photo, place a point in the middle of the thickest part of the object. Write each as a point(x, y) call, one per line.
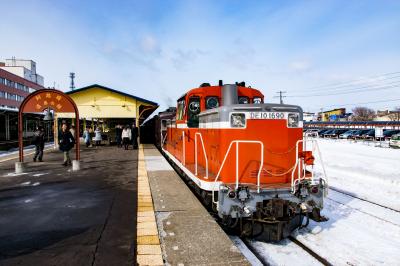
point(212, 102)
point(10, 83)
point(2, 81)
point(180, 112)
point(193, 111)
point(2, 94)
point(20, 86)
point(243, 100)
point(11, 96)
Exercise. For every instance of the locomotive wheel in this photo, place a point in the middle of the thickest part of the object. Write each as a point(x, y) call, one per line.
point(206, 198)
point(247, 230)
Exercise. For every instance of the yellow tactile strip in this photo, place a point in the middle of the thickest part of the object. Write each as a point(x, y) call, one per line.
point(148, 242)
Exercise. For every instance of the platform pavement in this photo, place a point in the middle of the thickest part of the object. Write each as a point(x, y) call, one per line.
point(51, 215)
point(187, 232)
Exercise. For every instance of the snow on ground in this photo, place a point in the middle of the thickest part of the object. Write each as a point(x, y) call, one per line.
point(358, 232)
point(354, 236)
point(370, 172)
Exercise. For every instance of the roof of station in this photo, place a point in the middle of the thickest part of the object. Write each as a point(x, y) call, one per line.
point(97, 101)
point(112, 90)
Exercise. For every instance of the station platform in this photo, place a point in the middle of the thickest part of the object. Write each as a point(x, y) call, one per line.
point(51, 215)
point(188, 234)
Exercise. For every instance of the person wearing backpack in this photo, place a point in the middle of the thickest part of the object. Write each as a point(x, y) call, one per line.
point(66, 143)
point(38, 140)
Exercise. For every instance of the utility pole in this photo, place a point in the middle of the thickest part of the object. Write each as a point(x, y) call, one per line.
point(72, 76)
point(281, 96)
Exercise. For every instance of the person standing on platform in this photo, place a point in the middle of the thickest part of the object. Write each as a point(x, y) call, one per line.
point(118, 135)
point(91, 135)
point(126, 137)
point(66, 143)
point(135, 133)
point(72, 130)
point(97, 136)
point(86, 137)
point(38, 140)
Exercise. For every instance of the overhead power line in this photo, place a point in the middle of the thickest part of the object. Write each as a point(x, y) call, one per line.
point(352, 91)
point(350, 104)
point(370, 79)
point(280, 96)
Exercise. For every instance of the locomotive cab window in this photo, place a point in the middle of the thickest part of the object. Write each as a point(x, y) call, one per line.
point(212, 102)
point(193, 111)
point(181, 109)
point(257, 100)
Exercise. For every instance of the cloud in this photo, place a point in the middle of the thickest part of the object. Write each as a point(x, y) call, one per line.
point(182, 59)
point(150, 45)
point(300, 66)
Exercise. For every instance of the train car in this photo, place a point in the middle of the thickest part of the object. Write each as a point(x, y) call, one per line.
point(245, 158)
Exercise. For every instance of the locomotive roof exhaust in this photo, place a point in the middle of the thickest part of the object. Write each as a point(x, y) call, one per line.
point(229, 94)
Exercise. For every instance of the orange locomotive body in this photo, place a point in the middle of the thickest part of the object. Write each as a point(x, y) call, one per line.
point(245, 158)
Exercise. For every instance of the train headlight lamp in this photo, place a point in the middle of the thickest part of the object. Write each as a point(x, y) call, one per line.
point(238, 120)
point(293, 120)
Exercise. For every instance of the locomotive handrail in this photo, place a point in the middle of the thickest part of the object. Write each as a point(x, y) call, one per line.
point(303, 166)
point(183, 148)
point(195, 153)
point(237, 163)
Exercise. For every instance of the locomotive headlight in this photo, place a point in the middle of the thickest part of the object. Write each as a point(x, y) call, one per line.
point(293, 120)
point(238, 120)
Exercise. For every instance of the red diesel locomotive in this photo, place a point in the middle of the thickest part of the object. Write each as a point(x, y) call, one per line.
point(245, 158)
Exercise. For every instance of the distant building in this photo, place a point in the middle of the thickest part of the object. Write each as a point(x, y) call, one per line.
point(308, 117)
point(13, 90)
point(387, 115)
point(23, 68)
point(334, 115)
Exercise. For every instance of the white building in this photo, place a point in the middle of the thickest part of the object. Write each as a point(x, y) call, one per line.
point(24, 68)
point(308, 117)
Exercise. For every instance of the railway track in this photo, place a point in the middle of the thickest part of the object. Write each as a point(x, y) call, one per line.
point(301, 245)
point(310, 251)
point(362, 199)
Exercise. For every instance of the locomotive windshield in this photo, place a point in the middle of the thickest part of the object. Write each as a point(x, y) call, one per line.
point(212, 102)
point(193, 111)
point(243, 100)
point(257, 100)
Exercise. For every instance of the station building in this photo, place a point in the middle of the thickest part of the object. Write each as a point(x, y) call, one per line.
point(103, 107)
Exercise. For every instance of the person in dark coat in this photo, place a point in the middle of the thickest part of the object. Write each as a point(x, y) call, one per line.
point(66, 143)
point(38, 140)
point(118, 135)
point(135, 133)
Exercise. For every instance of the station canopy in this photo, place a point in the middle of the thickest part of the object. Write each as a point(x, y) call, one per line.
point(98, 102)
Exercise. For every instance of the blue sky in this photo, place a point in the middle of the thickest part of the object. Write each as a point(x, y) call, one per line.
point(159, 49)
